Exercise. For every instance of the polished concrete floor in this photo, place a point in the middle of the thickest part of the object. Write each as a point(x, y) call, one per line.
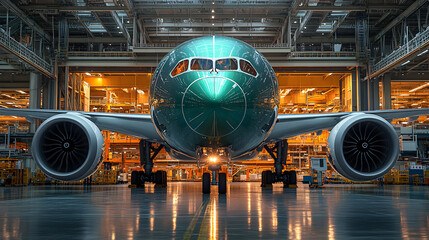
point(182, 212)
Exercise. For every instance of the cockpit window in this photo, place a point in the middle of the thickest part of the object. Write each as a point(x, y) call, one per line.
point(246, 67)
point(181, 67)
point(226, 64)
point(201, 64)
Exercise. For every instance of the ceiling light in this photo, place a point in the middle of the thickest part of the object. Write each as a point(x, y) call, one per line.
point(212, 10)
point(419, 87)
point(212, 16)
point(405, 63)
point(117, 27)
point(425, 51)
point(212, 24)
point(88, 74)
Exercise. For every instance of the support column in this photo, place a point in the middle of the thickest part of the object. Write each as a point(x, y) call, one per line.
point(355, 90)
point(50, 94)
point(376, 94)
point(370, 91)
point(363, 95)
point(35, 95)
point(387, 95)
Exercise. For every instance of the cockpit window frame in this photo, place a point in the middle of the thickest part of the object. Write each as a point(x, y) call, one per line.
point(175, 66)
point(214, 60)
point(239, 65)
point(192, 58)
point(237, 60)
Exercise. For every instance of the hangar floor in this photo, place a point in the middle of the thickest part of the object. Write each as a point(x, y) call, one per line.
point(182, 212)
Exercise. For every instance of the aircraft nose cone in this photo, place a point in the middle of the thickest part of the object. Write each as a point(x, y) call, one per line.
point(214, 106)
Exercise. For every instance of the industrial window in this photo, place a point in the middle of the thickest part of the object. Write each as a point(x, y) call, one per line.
point(226, 64)
point(201, 64)
point(246, 67)
point(180, 68)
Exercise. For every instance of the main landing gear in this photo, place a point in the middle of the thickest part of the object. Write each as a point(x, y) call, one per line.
point(147, 153)
point(221, 183)
point(279, 153)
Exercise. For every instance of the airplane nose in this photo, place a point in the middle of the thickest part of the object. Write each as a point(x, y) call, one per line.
point(214, 106)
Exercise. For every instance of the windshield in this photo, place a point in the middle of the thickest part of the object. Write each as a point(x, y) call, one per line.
point(246, 67)
point(201, 64)
point(180, 68)
point(226, 64)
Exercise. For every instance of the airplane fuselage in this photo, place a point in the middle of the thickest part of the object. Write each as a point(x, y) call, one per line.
point(214, 92)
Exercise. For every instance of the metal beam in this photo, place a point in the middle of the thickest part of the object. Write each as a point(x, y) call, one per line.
point(220, 33)
point(74, 8)
point(30, 22)
point(417, 4)
point(121, 27)
point(215, 24)
point(345, 8)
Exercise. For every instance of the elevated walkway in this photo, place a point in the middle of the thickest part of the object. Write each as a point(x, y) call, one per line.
point(402, 54)
point(25, 54)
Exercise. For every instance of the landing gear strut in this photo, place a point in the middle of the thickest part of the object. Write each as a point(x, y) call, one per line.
point(221, 181)
point(148, 152)
point(279, 153)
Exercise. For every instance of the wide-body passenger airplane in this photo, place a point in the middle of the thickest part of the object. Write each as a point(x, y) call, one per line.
point(214, 100)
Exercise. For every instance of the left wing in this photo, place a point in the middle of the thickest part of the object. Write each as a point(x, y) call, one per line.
point(139, 125)
point(289, 125)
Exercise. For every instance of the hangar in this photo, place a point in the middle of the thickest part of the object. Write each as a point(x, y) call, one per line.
point(339, 61)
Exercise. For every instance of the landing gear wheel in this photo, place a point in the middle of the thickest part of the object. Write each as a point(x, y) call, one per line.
point(164, 178)
point(206, 183)
point(140, 179)
point(286, 177)
point(267, 178)
point(292, 178)
point(160, 179)
point(134, 177)
point(222, 183)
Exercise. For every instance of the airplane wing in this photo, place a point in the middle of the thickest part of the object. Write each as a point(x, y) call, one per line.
point(289, 125)
point(139, 125)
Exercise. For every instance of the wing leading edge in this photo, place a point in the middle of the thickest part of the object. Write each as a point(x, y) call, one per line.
point(289, 125)
point(139, 125)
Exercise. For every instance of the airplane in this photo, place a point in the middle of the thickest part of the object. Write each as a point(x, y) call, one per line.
point(214, 100)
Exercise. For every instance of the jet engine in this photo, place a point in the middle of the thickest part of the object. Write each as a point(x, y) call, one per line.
point(363, 147)
point(68, 147)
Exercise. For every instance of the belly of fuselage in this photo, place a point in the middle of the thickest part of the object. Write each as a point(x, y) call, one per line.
point(229, 110)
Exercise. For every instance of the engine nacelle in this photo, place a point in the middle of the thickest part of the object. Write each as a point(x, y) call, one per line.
point(363, 147)
point(68, 147)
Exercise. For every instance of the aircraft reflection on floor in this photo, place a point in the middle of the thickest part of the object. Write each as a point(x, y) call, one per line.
point(182, 212)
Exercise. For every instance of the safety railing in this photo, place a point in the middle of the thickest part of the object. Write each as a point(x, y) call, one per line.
point(419, 41)
point(322, 54)
point(99, 54)
point(25, 54)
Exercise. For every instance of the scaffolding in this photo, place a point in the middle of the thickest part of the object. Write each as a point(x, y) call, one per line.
point(420, 41)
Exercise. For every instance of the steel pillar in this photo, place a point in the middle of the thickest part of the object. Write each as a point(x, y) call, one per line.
point(35, 95)
point(387, 95)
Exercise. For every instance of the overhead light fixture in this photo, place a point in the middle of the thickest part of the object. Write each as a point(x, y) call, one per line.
point(419, 87)
point(405, 63)
point(212, 24)
point(212, 16)
point(117, 27)
point(425, 51)
point(22, 92)
point(329, 74)
point(88, 74)
point(213, 11)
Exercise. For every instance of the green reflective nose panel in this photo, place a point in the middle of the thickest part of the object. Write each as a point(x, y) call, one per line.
point(214, 106)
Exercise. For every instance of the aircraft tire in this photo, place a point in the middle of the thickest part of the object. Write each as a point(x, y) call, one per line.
point(222, 183)
point(134, 177)
point(292, 177)
point(206, 183)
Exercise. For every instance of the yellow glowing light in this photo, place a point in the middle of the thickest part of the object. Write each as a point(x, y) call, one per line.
point(213, 159)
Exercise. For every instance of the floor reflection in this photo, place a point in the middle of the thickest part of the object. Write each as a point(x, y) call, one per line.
point(182, 212)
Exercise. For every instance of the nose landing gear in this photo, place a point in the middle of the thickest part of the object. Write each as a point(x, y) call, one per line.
point(221, 182)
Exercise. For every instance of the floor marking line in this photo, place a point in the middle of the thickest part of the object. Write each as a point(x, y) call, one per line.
point(205, 223)
point(191, 227)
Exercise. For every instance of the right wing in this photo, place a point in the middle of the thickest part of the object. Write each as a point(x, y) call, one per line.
point(138, 125)
point(289, 125)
